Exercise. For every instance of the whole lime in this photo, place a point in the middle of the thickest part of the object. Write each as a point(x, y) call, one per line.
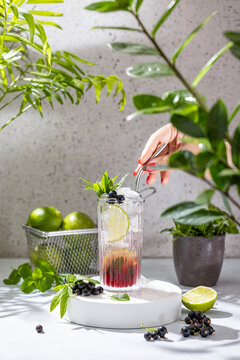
point(77, 220)
point(49, 252)
point(46, 218)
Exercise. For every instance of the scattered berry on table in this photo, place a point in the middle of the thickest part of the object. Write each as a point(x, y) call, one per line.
point(154, 335)
point(185, 331)
point(162, 331)
point(100, 289)
point(204, 332)
point(120, 199)
point(188, 320)
point(39, 329)
point(210, 329)
point(147, 336)
point(112, 194)
point(207, 321)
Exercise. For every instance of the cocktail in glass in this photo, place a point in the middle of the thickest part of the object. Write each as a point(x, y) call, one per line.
point(120, 235)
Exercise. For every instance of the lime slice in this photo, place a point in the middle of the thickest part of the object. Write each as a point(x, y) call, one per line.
point(201, 298)
point(118, 223)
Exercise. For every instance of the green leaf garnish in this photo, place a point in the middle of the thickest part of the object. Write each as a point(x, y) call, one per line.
point(105, 185)
point(120, 297)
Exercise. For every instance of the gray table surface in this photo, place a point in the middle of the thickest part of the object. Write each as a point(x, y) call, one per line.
point(20, 313)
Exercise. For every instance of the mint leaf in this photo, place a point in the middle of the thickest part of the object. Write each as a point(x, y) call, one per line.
point(56, 300)
point(85, 278)
point(120, 297)
point(58, 287)
point(70, 278)
point(13, 278)
point(25, 270)
point(64, 300)
point(45, 266)
point(27, 285)
point(37, 274)
point(44, 284)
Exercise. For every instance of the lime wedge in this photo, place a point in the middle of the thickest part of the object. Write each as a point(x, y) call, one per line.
point(201, 298)
point(118, 223)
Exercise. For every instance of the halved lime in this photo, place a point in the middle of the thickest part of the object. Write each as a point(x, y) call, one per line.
point(201, 298)
point(118, 223)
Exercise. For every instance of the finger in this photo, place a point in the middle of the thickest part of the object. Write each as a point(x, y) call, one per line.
point(163, 136)
point(152, 177)
point(165, 176)
point(136, 171)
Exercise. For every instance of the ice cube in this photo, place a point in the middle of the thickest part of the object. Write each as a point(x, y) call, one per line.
point(128, 193)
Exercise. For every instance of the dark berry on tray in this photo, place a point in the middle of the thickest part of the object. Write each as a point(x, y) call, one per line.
point(79, 292)
point(191, 314)
point(100, 289)
point(90, 286)
point(207, 321)
point(86, 292)
point(154, 335)
point(112, 194)
point(147, 336)
point(95, 291)
point(199, 315)
point(74, 289)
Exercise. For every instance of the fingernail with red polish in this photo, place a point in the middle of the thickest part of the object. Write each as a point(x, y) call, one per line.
point(147, 179)
point(139, 161)
point(134, 173)
point(152, 164)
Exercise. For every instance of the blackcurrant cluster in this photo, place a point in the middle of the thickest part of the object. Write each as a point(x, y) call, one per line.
point(198, 323)
point(156, 334)
point(86, 288)
point(114, 197)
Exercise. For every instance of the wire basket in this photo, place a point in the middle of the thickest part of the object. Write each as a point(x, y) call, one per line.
point(69, 251)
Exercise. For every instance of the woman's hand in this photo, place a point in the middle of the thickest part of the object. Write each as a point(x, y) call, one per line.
point(169, 135)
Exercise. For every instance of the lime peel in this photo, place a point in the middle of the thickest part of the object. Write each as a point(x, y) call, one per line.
point(201, 298)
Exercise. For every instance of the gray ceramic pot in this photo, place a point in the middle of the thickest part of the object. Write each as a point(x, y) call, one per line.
point(198, 260)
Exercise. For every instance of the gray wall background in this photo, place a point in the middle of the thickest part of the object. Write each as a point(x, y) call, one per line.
point(42, 159)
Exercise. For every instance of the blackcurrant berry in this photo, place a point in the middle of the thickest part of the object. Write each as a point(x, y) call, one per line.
point(100, 289)
point(188, 320)
point(185, 331)
point(112, 194)
point(199, 315)
point(162, 331)
point(86, 292)
point(207, 321)
point(39, 329)
point(154, 335)
point(204, 332)
point(195, 321)
point(193, 329)
point(90, 286)
point(210, 329)
point(79, 292)
point(74, 289)
point(147, 336)
point(191, 314)
point(80, 284)
point(120, 199)
point(95, 291)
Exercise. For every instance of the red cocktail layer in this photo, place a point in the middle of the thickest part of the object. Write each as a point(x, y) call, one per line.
point(120, 269)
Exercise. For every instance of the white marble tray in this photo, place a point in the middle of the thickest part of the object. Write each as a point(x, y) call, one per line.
point(156, 303)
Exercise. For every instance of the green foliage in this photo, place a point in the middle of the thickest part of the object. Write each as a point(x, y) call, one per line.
point(110, 6)
point(164, 17)
point(235, 38)
point(150, 70)
point(133, 49)
point(64, 292)
point(120, 297)
point(42, 277)
point(105, 185)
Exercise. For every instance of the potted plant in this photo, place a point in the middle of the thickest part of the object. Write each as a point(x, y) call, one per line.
point(198, 250)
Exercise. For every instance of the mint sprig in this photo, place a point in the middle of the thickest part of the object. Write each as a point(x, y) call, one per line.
point(64, 292)
point(41, 278)
point(120, 297)
point(105, 185)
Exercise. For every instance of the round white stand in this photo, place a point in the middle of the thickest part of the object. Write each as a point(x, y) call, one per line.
point(156, 303)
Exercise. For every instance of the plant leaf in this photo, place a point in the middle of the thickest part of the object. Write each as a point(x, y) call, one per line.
point(210, 63)
point(187, 126)
point(109, 6)
point(124, 28)
point(205, 197)
point(37, 274)
point(149, 70)
point(25, 270)
point(190, 37)
point(64, 300)
point(120, 297)
point(234, 113)
point(235, 38)
point(138, 5)
point(133, 48)
point(44, 284)
point(226, 203)
point(164, 17)
point(181, 209)
point(56, 300)
point(236, 147)
point(200, 217)
point(217, 123)
point(27, 285)
point(143, 101)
